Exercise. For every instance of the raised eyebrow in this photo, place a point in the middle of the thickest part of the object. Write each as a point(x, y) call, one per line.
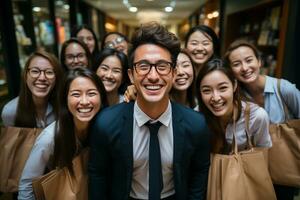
point(223, 83)
point(93, 90)
point(186, 62)
point(205, 87)
point(105, 65)
point(249, 57)
point(71, 91)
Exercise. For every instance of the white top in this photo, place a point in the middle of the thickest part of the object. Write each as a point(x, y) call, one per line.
point(9, 113)
point(141, 141)
point(258, 128)
point(37, 162)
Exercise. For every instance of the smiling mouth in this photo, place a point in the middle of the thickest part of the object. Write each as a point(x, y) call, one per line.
point(84, 110)
point(181, 81)
point(247, 75)
point(218, 106)
point(41, 86)
point(153, 87)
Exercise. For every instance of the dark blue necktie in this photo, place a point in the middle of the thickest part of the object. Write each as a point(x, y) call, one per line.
point(155, 173)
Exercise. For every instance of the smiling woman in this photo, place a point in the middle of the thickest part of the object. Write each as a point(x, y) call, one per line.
point(219, 100)
point(82, 95)
point(36, 104)
point(111, 67)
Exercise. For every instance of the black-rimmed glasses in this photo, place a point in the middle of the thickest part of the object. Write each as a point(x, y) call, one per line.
point(144, 67)
point(114, 43)
point(71, 57)
point(35, 72)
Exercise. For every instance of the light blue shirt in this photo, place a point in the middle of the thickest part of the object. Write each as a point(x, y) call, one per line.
point(37, 162)
point(273, 104)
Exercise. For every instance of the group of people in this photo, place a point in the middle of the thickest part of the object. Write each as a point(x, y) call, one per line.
point(186, 103)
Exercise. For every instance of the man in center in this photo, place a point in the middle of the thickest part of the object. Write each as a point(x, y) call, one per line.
point(151, 148)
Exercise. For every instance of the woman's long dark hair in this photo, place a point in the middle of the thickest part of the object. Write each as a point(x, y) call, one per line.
point(191, 89)
point(26, 112)
point(65, 147)
point(218, 139)
point(124, 62)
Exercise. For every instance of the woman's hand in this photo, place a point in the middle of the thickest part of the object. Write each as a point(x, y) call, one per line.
point(130, 94)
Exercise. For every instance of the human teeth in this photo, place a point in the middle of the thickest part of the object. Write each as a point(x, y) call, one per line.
point(217, 106)
point(85, 110)
point(181, 80)
point(247, 74)
point(152, 87)
point(41, 86)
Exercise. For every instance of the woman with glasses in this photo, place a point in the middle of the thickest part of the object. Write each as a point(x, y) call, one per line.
point(36, 104)
point(88, 36)
point(82, 95)
point(115, 40)
point(111, 67)
point(74, 53)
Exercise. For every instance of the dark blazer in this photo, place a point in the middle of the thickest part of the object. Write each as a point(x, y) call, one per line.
point(111, 157)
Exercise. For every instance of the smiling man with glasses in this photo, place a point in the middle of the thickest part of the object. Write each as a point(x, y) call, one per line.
point(151, 148)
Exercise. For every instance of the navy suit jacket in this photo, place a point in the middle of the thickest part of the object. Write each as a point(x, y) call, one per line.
point(111, 156)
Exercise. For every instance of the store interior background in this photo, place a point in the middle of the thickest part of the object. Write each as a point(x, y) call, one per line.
point(26, 25)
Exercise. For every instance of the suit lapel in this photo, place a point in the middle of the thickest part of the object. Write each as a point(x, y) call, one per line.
point(126, 141)
point(178, 134)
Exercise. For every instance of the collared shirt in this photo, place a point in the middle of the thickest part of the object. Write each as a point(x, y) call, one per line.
point(141, 141)
point(258, 128)
point(9, 113)
point(273, 104)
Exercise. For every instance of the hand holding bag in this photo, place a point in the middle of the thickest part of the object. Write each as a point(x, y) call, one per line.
point(59, 184)
point(15, 146)
point(284, 156)
point(242, 175)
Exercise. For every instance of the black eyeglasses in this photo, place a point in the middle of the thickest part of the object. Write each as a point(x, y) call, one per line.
point(71, 57)
point(144, 67)
point(35, 72)
point(114, 43)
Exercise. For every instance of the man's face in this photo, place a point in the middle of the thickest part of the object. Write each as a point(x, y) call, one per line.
point(152, 87)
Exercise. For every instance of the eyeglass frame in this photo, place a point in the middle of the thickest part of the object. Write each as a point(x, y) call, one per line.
point(153, 65)
point(75, 56)
point(113, 43)
point(40, 72)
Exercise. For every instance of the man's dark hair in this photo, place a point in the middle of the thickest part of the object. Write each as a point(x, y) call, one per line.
point(154, 33)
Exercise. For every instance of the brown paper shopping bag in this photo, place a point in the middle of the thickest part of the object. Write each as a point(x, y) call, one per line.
point(15, 146)
point(59, 184)
point(242, 175)
point(284, 156)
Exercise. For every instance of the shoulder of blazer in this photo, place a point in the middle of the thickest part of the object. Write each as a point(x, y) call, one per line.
point(112, 114)
point(181, 112)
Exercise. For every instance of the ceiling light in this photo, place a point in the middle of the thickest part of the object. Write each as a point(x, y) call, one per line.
point(168, 9)
point(215, 14)
point(210, 16)
point(133, 9)
point(36, 9)
point(67, 7)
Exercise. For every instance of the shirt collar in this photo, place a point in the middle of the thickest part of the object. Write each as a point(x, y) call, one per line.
point(141, 117)
point(269, 85)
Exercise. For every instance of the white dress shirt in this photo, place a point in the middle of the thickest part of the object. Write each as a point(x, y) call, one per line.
point(141, 141)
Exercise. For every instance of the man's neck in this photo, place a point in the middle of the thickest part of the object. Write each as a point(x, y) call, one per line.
point(153, 109)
